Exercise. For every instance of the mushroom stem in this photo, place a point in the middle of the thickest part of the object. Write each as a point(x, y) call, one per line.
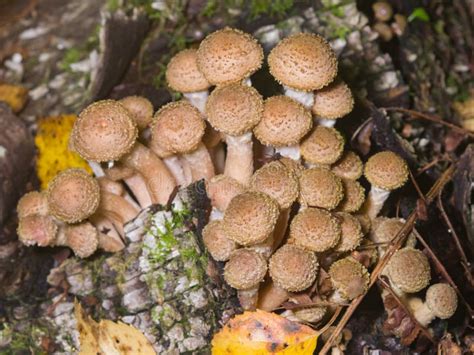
point(375, 201)
point(200, 163)
point(303, 97)
point(292, 152)
point(280, 228)
point(174, 165)
point(137, 185)
point(198, 99)
point(239, 161)
point(109, 238)
point(420, 311)
point(118, 206)
point(248, 298)
point(271, 296)
point(326, 122)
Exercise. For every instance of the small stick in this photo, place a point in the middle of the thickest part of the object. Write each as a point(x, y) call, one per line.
point(417, 188)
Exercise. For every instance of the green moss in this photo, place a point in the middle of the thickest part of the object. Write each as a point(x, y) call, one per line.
point(29, 339)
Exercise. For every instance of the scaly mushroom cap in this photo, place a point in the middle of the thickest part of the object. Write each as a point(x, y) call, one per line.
point(82, 238)
point(303, 61)
point(221, 189)
point(385, 229)
point(324, 146)
point(320, 188)
point(386, 170)
point(140, 108)
point(293, 268)
point(354, 196)
point(311, 314)
point(178, 127)
point(349, 166)
point(234, 109)
point(219, 246)
point(351, 232)
point(73, 195)
point(228, 56)
point(442, 300)
point(277, 181)
point(349, 277)
point(104, 131)
point(33, 202)
point(409, 270)
point(183, 75)
point(315, 229)
point(37, 229)
point(333, 102)
point(293, 165)
point(245, 269)
point(284, 122)
point(250, 218)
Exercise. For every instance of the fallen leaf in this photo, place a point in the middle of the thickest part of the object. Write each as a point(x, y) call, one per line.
point(15, 96)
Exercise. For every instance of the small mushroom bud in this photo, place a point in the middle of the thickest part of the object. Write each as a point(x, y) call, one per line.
point(386, 171)
point(218, 245)
point(382, 11)
point(332, 103)
point(244, 271)
point(349, 278)
point(82, 238)
point(36, 229)
point(32, 203)
point(140, 109)
point(319, 187)
point(221, 189)
point(313, 314)
point(324, 146)
point(349, 166)
point(302, 63)
point(351, 233)
point(384, 230)
point(354, 196)
point(384, 31)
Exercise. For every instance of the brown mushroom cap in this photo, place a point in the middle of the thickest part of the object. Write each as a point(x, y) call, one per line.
point(250, 218)
point(37, 229)
point(442, 300)
point(293, 165)
point(82, 238)
point(311, 314)
point(103, 131)
point(349, 277)
point(354, 196)
point(245, 269)
point(320, 188)
point(293, 268)
point(183, 75)
point(386, 170)
point(234, 109)
point(333, 102)
point(315, 229)
point(324, 146)
point(229, 55)
point(33, 202)
point(351, 232)
point(73, 195)
point(349, 166)
point(178, 127)
point(277, 181)
point(303, 61)
point(385, 229)
point(409, 270)
point(219, 246)
point(140, 108)
point(284, 122)
point(221, 189)
point(383, 11)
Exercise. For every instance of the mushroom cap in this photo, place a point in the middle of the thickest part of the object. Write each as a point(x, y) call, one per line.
point(140, 108)
point(178, 127)
point(409, 270)
point(37, 229)
point(73, 195)
point(245, 269)
point(183, 75)
point(354, 196)
point(349, 166)
point(250, 217)
point(320, 188)
point(349, 277)
point(293, 268)
point(442, 300)
point(383, 11)
point(82, 238)
point(221, 189)
point(311, 314)
point(351, 232)
point(219, 246)
point(385, 229)
point(333, 102)
point(386, 170)
point(103, 131)
point(315, 229)
point(277, 181)
point(234, 109)
point(303, 61)
point(324, 145)
point(293, 165)
point(34, 202)
point(229, 55)
point(284, 122)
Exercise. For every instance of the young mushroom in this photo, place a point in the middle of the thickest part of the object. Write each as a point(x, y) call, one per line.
point(37, 229)
point(331, 103)
point(324, 146)
point(384, 230)
point(349, 278)
point(140, 109)
point(221, 189)
point(349, 166)
point(235, 110)
point(284, 123)
point(351, 233)
point(319, 187)
point(82, 238)
point(354, 196)
point(31, 203)
point(215, 239)
point(302, 63)
point(386, 171)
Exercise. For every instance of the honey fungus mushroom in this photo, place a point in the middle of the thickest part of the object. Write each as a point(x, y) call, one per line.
point(349, 278)
point(31, 203)
point(82, 238)
point(324, 146)
point(221, 189)
point(349, 166)
point(302, 63)
point(319, 187)
point(140, 109)
point(37, 229)
point(385, 229)
point(351, 232)
point(332, 102)
point(354, 196)
point(386, 171)
point(219, 246)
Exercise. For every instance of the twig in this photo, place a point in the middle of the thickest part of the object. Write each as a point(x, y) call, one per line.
point(432, 118)
point(331, 321)
point(417, 188)
point(396, 244)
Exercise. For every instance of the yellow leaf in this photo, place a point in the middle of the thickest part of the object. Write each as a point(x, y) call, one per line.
point(87, 328)
point(260, 333)
point(15, 96)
